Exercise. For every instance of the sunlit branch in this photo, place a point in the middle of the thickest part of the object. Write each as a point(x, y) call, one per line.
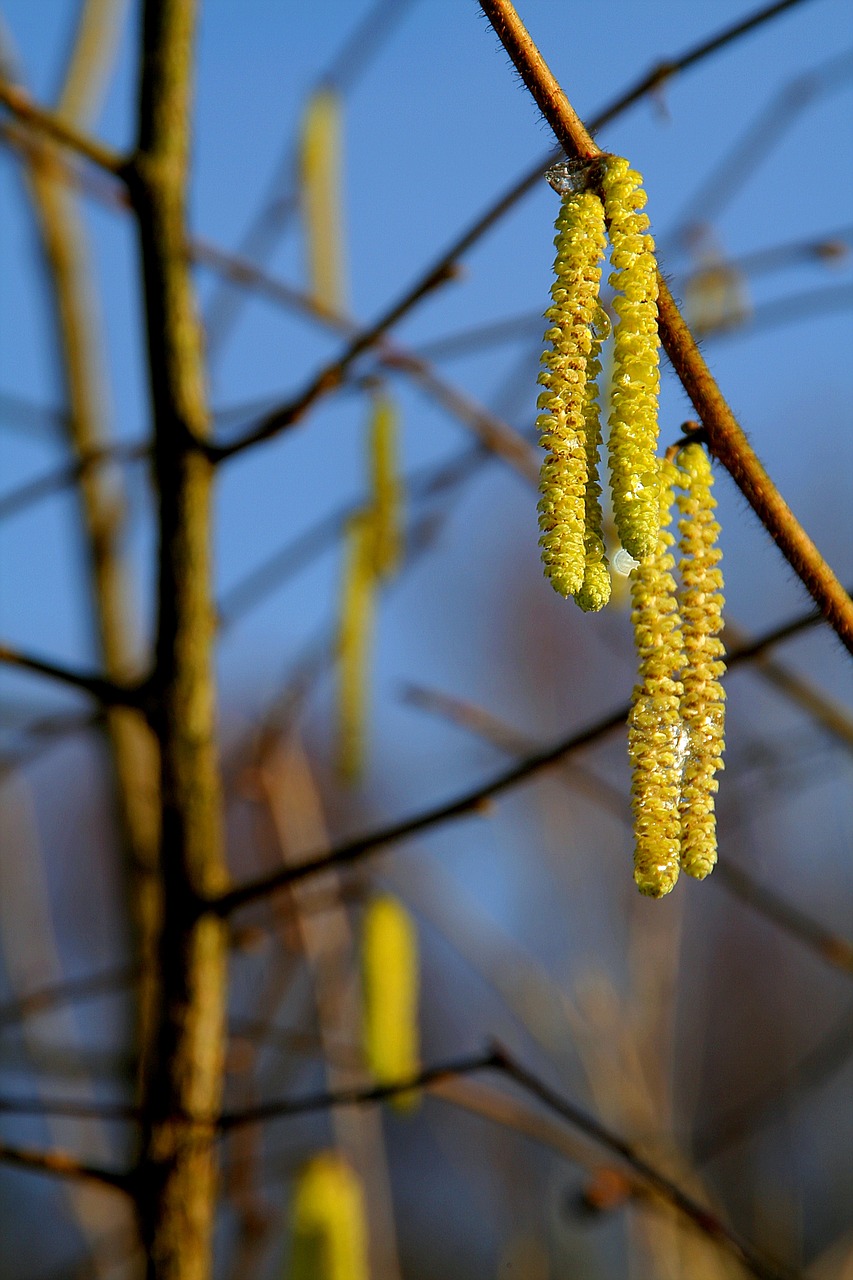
point(724, 435)
point(54, 127)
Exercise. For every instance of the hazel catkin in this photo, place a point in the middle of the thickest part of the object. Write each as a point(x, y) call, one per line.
point(329, 1232)
point(636, 378)
point(703, 697)
point(563, 476)
point(655, 732)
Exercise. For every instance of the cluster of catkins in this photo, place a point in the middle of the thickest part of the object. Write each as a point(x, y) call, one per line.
point(569, 508)
point(676, 726)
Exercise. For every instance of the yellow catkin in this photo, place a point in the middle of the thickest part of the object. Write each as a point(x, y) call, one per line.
point(320, 191)
point(386, 486)
point(595, 591)
point(329, 1232)
point(703, 699)
point(354, 643)
point(636, 379)
point(563, 477)
point(390, 994)
point(655, 734)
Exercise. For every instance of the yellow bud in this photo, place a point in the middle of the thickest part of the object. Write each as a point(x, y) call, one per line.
point(390, 994)
point(329, 1232)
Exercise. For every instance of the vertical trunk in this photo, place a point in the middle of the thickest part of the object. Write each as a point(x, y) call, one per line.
point(182, 1088)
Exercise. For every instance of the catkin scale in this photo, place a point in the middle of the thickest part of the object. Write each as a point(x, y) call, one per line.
point(389, 962)
point(329, 1234)
point(703, 698)
point(564, 472)
point(655, 746)
point(636, 377)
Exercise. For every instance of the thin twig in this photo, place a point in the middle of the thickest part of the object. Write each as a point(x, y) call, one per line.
point(59, 1164)
point(53, 126)
point(724, 434)
point(706, 1221)
point(106, 691)
point(470, 802)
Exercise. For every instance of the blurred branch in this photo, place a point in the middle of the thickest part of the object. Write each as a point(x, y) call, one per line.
point(724, 434)
point(750, 1117)
point(58, 130)
point(106, 691)
point(183, 1080)
point(832, 948)
point(281, 200)
point(498, 1059)
point(739, 163)
point(61, 1165)
point(471, 801)
point(89, 987)
point(72, 473)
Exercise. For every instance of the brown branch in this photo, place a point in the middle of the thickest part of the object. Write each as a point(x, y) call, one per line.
point(498, 1059)
point(470, 802)
point(61, 477)
point(58, 130)
point(59, 1164)
point(182, 1087)
point(703, 1218)
point(105, 691)
point(724, 434)
point(89, 987)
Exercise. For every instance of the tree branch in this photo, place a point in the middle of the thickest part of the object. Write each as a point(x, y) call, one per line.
point(724, 434)
point(53, 126)
point(59, 1164)
point(105, 691)
point(470, 801)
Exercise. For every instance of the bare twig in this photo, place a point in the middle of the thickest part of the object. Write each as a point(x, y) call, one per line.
point(106, 691)
point(59, 1164)
point(724, 434)
point(54, 127)
point(470, 802)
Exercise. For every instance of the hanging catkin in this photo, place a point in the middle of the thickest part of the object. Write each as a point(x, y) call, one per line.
point(563, 477)
point(595, 590)
point(389, 964)
point(703, 699)
point(329, 1233)
point(655, 735)
point(320, 197)
point(636, 378)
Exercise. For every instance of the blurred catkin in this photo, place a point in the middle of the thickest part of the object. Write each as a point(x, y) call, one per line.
point(655, 731)
point(636, 378)
point(563, 478)
point(387, 496)
point(354, 643)
point(390, 983)
point(320, 193)
point(329, 1233)
point(703, 699)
